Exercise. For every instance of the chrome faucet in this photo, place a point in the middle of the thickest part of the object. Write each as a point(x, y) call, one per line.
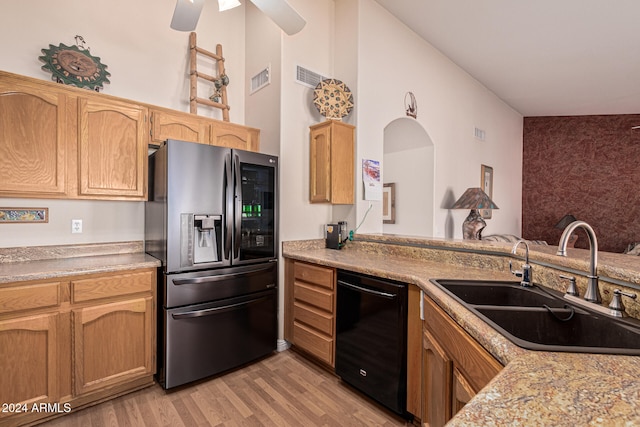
point(526, 272)
point(593, 293)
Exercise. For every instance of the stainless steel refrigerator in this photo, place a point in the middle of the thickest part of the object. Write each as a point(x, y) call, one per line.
point(211, 218)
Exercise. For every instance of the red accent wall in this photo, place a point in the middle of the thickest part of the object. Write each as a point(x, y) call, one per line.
point(587, 166)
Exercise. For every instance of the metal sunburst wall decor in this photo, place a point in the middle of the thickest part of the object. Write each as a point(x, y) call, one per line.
point(74, 65)
point(333, 99)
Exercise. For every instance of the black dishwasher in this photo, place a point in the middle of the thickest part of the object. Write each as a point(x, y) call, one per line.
point(371, 338)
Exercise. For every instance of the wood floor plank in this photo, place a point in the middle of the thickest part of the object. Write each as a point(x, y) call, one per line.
point(233, 398)
point(284, 389)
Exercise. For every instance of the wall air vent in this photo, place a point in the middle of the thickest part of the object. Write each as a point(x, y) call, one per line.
point(260, 80)
point(479, 134)
point(307, 77)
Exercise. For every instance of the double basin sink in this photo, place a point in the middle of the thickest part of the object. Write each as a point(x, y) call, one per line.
point(539, 319)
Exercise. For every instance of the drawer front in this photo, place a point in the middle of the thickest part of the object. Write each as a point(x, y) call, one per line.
point(313, 317)
point(317, 275)
point(313, 342)
point(317, 297)
point(112, 286)
point(28, 297)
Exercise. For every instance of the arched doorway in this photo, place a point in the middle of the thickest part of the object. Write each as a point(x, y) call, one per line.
point(408, 161)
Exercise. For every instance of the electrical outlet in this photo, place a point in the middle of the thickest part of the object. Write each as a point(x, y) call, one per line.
point(76, 226)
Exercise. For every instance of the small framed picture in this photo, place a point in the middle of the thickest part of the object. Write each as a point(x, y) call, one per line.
point(389, 203)
point(20, 215)
point(486, 183)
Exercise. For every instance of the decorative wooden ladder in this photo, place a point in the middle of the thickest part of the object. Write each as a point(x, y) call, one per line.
point(194, 50)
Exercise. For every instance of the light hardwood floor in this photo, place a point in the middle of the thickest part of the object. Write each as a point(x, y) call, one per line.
point(284, 389)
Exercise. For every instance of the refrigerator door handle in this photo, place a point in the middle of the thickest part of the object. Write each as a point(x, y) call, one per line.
point(238, 210)
point(229, 206)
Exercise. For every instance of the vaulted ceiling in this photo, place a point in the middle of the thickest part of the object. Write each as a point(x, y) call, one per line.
point(542, 57)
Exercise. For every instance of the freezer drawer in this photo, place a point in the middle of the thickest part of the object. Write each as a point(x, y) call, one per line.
point(211, 285)
point(207, 339)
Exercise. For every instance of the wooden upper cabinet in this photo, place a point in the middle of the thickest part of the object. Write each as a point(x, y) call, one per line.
point(112, 149)
point(33, 140)
point(181, 126)
point(230, 135)
point(58, 141)
point(332, 163)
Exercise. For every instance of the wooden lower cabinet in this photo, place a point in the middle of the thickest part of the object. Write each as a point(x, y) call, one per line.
point(437, 383)
point(455, 366)
point(29, 357)
point(112, 343)
point(310, 309)
point(414, 352)
point(58, 354)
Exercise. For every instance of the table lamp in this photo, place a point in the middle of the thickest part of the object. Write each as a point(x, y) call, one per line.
point(474, 198)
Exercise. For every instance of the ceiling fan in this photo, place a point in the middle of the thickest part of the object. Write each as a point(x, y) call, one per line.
point(187, 13)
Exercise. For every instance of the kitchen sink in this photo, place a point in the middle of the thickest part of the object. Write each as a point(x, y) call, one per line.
point(564, 329)
point(499, 293)
point(537, 319)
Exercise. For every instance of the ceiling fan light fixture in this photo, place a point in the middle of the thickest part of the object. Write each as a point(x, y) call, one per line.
point(282, 14)
point(227, 4)
point(186, 15)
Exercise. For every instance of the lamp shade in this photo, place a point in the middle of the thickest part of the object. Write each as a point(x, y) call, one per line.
point(564, 221)
point(474, 198)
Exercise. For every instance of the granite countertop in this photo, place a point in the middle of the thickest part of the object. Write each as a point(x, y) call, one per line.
point(535, 387)
point(45, 262)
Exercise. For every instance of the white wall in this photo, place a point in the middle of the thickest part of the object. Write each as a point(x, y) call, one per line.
point(148, 62)
point(263, 49)
point(356, 41)
point(311, 48)
point(392, 60)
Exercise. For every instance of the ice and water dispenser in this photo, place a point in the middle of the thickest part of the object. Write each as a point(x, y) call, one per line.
point(201, 239)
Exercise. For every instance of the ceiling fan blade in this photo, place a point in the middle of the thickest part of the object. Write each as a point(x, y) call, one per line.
point(282, 14)
point(186, 15)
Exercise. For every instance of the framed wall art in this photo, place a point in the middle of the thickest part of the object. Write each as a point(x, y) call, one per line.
point(18, 215)
point(486, 183)
point(389, 203)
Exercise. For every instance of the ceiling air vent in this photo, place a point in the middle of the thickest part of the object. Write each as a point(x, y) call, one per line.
point(260, 80)
point(307, 77)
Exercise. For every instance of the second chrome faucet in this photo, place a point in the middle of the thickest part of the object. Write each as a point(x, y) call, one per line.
point(526, 272)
